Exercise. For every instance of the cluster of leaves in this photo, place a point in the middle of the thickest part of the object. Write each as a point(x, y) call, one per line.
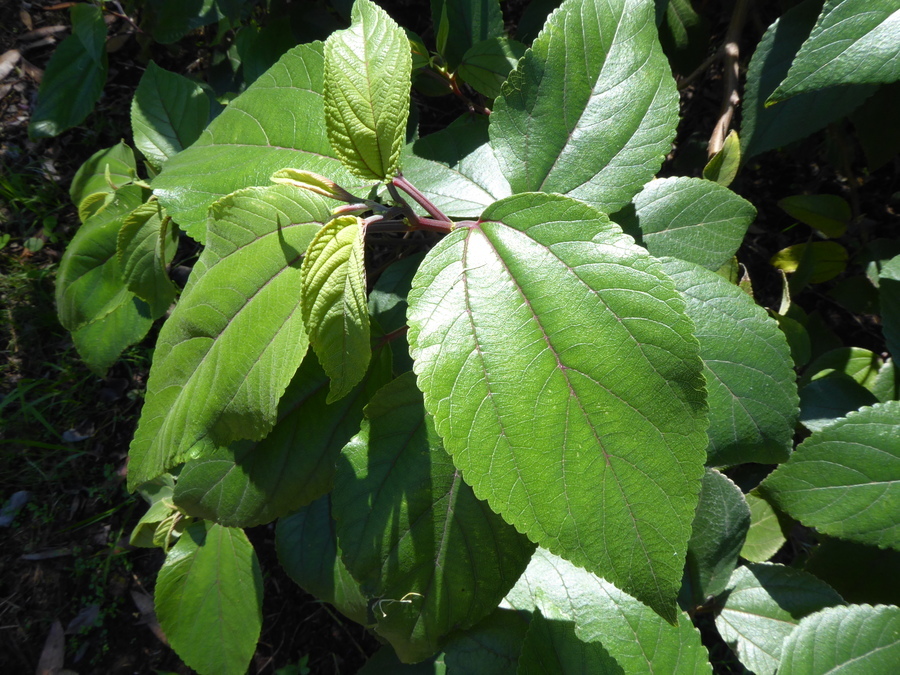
point(548, 444)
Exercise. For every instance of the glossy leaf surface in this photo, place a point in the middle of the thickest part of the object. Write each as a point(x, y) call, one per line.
point(856, 640)
point(692, 219)
point(763, 605)
point(228, 351)
point(565, 382)
point(168, 113)
point(591, 110)
point(367, 71)
point(636, 637)
point(209, 599)
point(749, 373)
point(845, 479)
point(853, 42)
point(398, 501)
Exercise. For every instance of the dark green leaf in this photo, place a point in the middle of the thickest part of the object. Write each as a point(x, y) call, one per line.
point(829, 398)
point(74, 78)
point(146, 245)
point(467, 22)
point(889, 285)
point(398, 500)
point(552, 648)
point(767, 128)
point(491, 647)
point(861, 574)
point(168, 113)
point(829, 214)
point(486, 64)
point(856, 362)
point(816, 262)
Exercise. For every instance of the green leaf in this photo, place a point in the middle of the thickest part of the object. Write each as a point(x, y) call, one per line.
point(168, 113)
point(762, 606)
point(333, 296)
point(856, 362)
point(724, 165)
point(767, 128)
point(768, 530)
point(853, 42)
point(253, 482)
point(487, 64)
point(228, 351)
point(831, 397)
point(367, 81)
point(543, 316)
point(468, 22)
point(717, 534)
point(820, 260)
point(856, 640)
point(171, 21)
point(209, 599)
point(692, 219)
point(146, 245)
point(100, 342)
point(457, 169)
point(398, 500)
point(89, 284)
point(74, 77)
point(861, 574)
point(886, 383)
point(591, 110)
point(684, 35)
point(845, 479)
point(889, 283)
point(491, 647)
point(552, 648)
point(874, 126)
point(276, 123)
point(307, 549)
point(749, 374)
point(116, 162)
point(829, 214)
point(636, 637)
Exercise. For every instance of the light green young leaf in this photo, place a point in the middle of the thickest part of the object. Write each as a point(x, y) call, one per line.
point(465, 23)
point(767, 128)
point(367, 81)
point(308, 551)
point(74, 77)
point(89, 281)
point(254, 482)
point(718, 532)
point(693, 219)
point(860, 364)
point(333, 297)
point(168, 113)
point(398, 501)
point(543, 316)
point(889, 283)
point(853, 42)
point(724, 165)
point(767, 532)
point(457, 169)
point(228, 351)
point(845, 479)
point(750, 379)
point(487, 64)
point(591, 109)
point(852, 640)
point(763, 604)
point(209, 599)
point(116, 162)
point(636, 637)
point(276, 122)
point(146, 244)
point(100, 342)
point(551, 647)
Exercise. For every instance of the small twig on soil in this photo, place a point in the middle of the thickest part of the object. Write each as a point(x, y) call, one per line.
point(731, 98)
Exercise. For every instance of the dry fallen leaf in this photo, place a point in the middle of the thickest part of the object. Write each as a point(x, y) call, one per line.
point(54, 651)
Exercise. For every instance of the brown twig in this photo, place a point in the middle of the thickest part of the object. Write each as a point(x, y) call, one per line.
point(731, 97)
